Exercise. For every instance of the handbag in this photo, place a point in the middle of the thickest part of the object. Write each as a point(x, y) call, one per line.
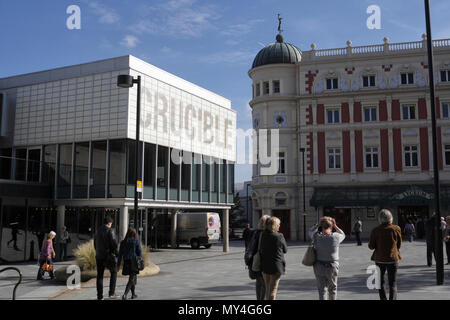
point(140, 263)
point(256, 264)
point(47, 267)
point(309, 259)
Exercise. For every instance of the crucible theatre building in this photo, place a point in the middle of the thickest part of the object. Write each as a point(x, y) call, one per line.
point(359, 119)
point(67, 153)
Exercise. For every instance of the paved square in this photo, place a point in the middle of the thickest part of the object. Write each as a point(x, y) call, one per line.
point(212, 274)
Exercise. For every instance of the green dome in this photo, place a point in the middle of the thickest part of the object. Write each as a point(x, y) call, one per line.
point(278, 52)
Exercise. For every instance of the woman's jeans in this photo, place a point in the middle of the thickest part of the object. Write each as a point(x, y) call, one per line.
point(271, 282)
point(41, 272)
point(131, 285)
point(391, 269)
point(326, 276)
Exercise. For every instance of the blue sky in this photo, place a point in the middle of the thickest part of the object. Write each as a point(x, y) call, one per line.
point(211, 43)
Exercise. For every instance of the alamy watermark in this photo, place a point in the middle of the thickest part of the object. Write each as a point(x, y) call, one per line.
point(74, 20)
point(374, 20)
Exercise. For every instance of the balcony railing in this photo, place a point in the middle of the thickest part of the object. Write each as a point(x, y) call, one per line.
point(379, 49)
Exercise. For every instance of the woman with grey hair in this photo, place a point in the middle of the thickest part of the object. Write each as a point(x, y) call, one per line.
point(386, 240)
point(250, 252)
point(272, 250)
point(326, 244)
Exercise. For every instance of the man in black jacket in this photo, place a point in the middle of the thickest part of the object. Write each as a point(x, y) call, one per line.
point(106, 257)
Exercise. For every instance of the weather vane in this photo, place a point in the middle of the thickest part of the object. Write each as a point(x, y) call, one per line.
point(279, 23)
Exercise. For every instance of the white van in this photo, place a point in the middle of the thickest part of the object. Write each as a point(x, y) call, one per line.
point(198, 228)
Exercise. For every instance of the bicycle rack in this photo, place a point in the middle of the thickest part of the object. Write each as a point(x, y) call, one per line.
point(17, 284)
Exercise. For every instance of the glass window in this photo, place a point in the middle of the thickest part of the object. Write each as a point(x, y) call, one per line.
point(231, 182)
point(370, 114)
point(186, 171)
point(409, 112)
point(407, 78)
point(332, 83)
point(81, 170)
point(276, 86)
point(258, 89)
point(445, 75)
point(206, 181)
point(196, 177)
point(333, 116)
point(281, 163)
point(162, 172)
point(266, 88)
point(411, 156)
point(117, 168)
point(34, 165)
point(98, 170)
point(149, 170)
point(64, 170)
point(447, 155)
point(49, 169)
point(371, 157)
point(5, 163)
point(334, 158)
point(445, 110)
point(368, 81)
point(21, 164)
point(174, 173)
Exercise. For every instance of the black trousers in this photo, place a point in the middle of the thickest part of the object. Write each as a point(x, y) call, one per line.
point(112, 282)
point(391, 269)
point(358, 238)
point(430, 253)
point(447, 248)
point(131, 285)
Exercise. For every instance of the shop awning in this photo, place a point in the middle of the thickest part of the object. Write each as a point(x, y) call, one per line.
point(370, 196)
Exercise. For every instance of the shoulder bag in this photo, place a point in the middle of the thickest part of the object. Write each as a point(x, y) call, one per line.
point(309, 259)
point(256, 264)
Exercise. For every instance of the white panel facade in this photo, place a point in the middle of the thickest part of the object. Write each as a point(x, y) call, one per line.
point(83, 103)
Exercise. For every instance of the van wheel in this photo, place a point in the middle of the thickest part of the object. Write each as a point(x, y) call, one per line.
point(195, 244)
point(207, 246)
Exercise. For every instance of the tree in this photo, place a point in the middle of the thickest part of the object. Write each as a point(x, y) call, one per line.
point(237, 212)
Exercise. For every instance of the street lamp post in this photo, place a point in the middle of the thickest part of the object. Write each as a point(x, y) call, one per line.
point(438, 241)
point(302, 150)
point(127, 81)
point(248, 198)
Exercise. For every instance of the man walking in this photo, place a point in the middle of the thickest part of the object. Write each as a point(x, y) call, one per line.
point(357, 229)
point(63, 241)
point(106, 257)
point(246, 235)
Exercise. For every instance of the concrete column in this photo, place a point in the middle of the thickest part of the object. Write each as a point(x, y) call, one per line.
point(60, 217)
point(124, 221)
point(226, 226)
point(173, 229)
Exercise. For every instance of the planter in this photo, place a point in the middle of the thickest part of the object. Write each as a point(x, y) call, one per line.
point(61, 274)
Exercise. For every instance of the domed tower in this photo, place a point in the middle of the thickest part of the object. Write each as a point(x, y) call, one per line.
point(275, 87)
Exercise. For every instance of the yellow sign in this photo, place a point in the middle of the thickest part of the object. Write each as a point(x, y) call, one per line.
point(139, 186)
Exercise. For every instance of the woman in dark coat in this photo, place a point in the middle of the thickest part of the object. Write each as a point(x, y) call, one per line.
point(273, 248)
point(130, 249)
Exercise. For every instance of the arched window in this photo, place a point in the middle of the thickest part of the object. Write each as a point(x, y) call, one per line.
point(280, 199)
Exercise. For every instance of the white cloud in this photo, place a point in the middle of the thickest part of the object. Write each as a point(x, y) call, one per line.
point(106, 15)
point(241, 28)
point(182, 18)
point(235, 56)
point(130, 41)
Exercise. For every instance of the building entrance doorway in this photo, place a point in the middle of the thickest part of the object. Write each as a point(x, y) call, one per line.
point(343, 217)
point(285, 227)
point(417, 214)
